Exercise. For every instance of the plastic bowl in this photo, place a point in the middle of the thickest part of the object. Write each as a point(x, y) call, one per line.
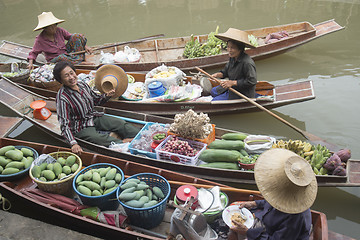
point(247, 166)
point(160, 140)
point(104, 202)
point(23, 172)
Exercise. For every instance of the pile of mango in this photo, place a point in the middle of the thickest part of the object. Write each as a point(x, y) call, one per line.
point(315, 155)
point(98, 181)
point(62, 168)
point(138, 194)
point(13, 160)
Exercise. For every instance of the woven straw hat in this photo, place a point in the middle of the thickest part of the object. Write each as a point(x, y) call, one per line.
point(46, 19)
point(110, 77)
point(236, 35)
point(285, 180)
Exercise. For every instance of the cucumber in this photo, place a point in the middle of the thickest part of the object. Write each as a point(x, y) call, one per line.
point(221, 165)
point(227, 144)
point(220, 155)
point(234, 136)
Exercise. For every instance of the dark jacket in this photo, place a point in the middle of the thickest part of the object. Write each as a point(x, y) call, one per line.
point(243, 70)
point(280, 225)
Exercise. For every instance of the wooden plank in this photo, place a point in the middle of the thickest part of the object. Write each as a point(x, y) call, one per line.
point(8, 124)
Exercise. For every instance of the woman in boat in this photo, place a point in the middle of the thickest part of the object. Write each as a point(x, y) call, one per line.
point(289, 187)
point(51, 41)
point(240, 70)
point(75, 103)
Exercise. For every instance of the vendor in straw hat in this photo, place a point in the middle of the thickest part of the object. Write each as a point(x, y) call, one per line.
point(240, 70)
point(75, 103)
point(289, 187)
point(51, 42)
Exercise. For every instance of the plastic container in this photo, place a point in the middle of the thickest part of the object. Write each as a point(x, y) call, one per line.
point(160, 140)
point(142, 152)
point(62, 186)
point(152, 216)
point(184, 193)
point(23, 172)
point(104, 202)
point(209, 139)
point(156, 89)
point(163, 155)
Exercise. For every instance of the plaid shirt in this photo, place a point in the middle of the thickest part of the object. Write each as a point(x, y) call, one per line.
point(75, 109)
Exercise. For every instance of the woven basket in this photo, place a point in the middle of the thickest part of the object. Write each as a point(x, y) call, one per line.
point(20, 78)
point(52, 85)
point(63, 186)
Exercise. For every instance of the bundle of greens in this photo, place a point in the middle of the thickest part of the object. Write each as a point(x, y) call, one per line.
point(213, 46)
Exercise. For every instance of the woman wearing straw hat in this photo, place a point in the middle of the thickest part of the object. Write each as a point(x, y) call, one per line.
point(51, 41)
point(75, 103)
point(240, 70)
point(289, 187)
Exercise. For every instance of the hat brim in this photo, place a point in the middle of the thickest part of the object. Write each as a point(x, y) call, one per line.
point(226, 38)
point(42, 26)
point(118, 73)
point(277, 189)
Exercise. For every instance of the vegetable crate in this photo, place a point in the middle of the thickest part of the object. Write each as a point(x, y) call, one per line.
point(163, 155)
point(138, 136)
point(152, 216)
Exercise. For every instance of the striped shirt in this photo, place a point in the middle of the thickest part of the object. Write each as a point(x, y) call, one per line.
point(75, 109)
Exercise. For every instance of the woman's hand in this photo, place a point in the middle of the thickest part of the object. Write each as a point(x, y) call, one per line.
point(248, 205)
point(30, 65)
point(110, 93)
point(76, 149)
point(88, 50)
point(228, 83)
point(217, 75)
point(239, 228)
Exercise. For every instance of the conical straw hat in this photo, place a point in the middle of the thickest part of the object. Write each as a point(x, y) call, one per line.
point(46, 19)
point(236, 35)
point(110, 77)
point(285, 180)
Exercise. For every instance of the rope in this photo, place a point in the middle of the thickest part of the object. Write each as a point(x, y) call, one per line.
point(5, 204)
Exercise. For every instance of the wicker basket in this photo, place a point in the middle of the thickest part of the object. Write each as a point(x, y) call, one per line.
point(63, 186)
point(52, 85)
point(20, 78)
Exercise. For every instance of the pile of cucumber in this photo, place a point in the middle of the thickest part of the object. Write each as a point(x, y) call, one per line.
point(13, 160)
point(225, 153)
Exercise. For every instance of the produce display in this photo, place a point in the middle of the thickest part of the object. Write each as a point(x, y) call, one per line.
point(14, 160)
point(98, 181)
point(181, 147)
point(322, 161)
point(191, 125)
point(61, 169)
point(165, 74)
point(138, 194)
point(253, 40)
point(212, 46)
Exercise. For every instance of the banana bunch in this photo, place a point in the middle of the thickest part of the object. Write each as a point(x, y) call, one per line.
point(319, 157)
point(303, 149)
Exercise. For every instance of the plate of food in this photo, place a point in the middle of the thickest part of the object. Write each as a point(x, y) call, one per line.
point(243, 216)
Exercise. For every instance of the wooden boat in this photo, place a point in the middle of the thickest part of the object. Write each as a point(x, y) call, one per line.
point(9, 124)
point(270, 97)
point(169, 51)
point(18, 99)
point(12, 190)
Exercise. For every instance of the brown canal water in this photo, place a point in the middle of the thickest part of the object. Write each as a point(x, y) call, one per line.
point(331, 62)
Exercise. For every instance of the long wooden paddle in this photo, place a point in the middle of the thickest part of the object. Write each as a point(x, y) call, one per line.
point(122, 43)
point(307, 135)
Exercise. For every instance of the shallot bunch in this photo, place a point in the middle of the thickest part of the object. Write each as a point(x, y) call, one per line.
point(180, 147)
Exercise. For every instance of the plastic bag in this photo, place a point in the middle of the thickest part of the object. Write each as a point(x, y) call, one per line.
point(120, 147)
point(257, 144)
point(43, 73)
point(133, 55)
point(106, 58)
point(113, 218)
point(192, 227)
point(120, 56)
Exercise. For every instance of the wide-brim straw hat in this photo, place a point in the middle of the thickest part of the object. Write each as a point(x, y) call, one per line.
point(46, 19)
point(110, 77)
point(236, 35)
point(286, 180)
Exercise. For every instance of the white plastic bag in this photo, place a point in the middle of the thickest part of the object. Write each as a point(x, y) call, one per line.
point(133, 55)
point(120, 147)
point(120, 56)
point(257, 144)
point(106, 58)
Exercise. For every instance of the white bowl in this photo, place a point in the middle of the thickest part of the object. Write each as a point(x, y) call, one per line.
point(230, 210)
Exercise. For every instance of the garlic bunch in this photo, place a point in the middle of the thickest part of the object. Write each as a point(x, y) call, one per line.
point(191, 125)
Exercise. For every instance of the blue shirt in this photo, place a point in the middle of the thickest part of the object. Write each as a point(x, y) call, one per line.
point(280, 225)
